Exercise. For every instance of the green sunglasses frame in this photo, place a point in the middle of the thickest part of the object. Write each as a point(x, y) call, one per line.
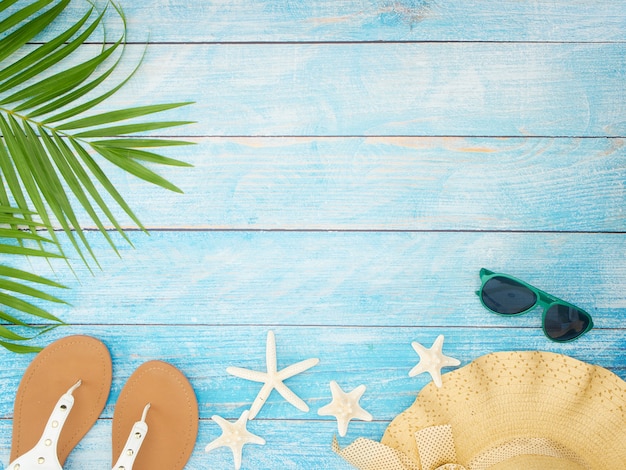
point(544, 300)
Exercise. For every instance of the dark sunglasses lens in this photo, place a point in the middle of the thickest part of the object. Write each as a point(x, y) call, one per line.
point(564, 323)
point(507, 296)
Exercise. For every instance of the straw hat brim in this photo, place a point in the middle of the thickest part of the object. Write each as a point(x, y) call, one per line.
point(506, 396)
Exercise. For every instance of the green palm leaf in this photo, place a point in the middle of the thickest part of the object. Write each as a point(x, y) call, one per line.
point(24, 33)
point(20, 291)
point(53, 144)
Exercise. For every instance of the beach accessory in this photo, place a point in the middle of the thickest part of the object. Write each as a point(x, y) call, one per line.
point(273, 378)
point(60, 396)
point(234, 436)
point(506, 295)
point(345, 406)
point(432, 360)
point(155, 422)
point(525, 410)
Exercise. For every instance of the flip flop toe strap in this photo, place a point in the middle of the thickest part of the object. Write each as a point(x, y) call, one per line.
point(133, 443)
point(44, 455)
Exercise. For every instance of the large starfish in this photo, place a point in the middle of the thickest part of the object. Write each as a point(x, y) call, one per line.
point(235, 436)
point(432, 360)
point(345, 406)
point(273, 378)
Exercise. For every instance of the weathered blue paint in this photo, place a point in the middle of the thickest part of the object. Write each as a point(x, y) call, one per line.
point(351, 177)
point(388, 183)
point(440, 89)
point(372, 20)
point(386, 279)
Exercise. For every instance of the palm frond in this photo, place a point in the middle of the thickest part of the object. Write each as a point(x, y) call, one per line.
point(53, 144)
point(20, 291)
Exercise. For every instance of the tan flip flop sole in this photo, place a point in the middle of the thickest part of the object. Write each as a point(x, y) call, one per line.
point(172, 418)
point(53, 371)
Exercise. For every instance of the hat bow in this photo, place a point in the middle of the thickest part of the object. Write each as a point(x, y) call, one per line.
point(435, 446)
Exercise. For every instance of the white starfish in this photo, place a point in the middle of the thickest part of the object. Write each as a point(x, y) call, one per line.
point(273, 378)
point(432, 360)
point(235, 436)
point(345, 406)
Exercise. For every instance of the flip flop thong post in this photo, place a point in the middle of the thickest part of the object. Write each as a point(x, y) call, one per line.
point(60, 396)
point(155, 422)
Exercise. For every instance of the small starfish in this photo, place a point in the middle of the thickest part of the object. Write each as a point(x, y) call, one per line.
point(235, 436)
point(345, 406)
point(432, 360)
point(273, 378)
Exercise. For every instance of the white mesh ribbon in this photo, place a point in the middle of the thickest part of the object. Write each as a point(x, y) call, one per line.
point(366, 454)
point(435, 446)
point(436, 451)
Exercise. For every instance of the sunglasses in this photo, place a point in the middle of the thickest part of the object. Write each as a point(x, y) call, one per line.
point(506, 295)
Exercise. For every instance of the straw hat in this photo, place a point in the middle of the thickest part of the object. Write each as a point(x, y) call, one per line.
point(507, 411)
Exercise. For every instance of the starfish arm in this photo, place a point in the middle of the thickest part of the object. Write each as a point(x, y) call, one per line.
point(254, 439)
point(359, 412)
point(363, 415)
point(291, 397)
point(220, 421)
point(237, 456)
point(450, 361)
point(326, 410)
point(357, 393)
point(214, 445)
point(342, 425)
point(417, 370)
point(253, 375)
point(419, 349)
point(438, 344)
point(436, 375)
point(297, 368)
point(260, 400)
point(270, 353)
point(248, 436)
point(220, 441)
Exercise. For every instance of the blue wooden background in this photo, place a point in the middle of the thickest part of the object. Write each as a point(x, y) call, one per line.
point(357, 163)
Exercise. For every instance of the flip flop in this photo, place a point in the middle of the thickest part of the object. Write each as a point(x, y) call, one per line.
point(60, 396)
point(155, 422)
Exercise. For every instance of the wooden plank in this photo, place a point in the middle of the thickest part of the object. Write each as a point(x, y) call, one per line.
point(376, 236)
point(380, 358)
point(388, 184)
point(440, 89)
point(290, 445)
point(424, 89)
point(375, 20)
point(387, 279)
